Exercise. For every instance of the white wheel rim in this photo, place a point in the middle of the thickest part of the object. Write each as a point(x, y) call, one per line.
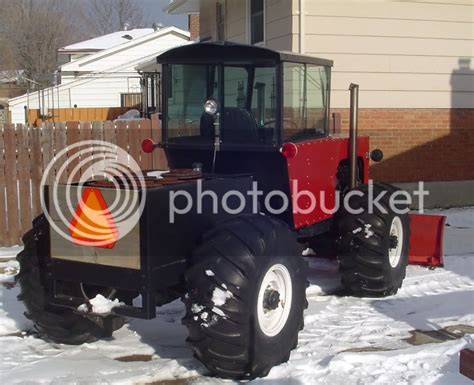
point(396, 230)
point(272, 320)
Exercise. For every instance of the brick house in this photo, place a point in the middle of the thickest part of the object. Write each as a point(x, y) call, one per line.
point(414, 62)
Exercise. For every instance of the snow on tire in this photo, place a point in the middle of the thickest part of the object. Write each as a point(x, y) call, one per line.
point(246, 296)
point(373, 247)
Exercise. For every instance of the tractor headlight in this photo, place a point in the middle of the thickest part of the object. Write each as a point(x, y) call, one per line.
point(210, 107)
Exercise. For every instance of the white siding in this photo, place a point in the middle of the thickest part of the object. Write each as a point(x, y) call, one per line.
point(404, 54)
point(124, 54)
point(278, 22)
point(101, 77)
point(103, 91)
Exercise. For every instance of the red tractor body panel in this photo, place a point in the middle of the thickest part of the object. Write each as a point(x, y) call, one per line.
point(314, 169)
point(426, 240)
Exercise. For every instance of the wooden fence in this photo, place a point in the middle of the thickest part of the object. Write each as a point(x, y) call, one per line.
point(98, 114)
point(25, 151)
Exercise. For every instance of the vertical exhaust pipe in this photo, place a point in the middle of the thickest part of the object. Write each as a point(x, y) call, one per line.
point(353, 133)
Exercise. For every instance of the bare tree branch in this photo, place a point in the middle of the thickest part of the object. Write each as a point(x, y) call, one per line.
point(32, 31)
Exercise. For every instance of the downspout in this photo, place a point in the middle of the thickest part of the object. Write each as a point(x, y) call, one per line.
point(302, 26)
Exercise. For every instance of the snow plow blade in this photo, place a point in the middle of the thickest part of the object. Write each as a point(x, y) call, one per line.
point(426, 240)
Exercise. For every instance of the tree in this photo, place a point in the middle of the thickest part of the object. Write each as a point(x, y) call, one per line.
point(106, 16)
point(32, 32)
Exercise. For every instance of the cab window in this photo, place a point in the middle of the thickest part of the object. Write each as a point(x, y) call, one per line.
point(305, 101)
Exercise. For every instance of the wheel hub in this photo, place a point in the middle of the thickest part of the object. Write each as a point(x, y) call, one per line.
point(274, 300)
point(393, 242)
point(396, 238)
point(271, 299)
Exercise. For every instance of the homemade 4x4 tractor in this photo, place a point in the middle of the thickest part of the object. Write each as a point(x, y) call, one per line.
point(232, 115)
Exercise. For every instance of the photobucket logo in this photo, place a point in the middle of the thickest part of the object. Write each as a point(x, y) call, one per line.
point(299, 201)
point(76, 208)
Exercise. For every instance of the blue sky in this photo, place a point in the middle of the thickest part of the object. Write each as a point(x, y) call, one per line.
point(154, 10)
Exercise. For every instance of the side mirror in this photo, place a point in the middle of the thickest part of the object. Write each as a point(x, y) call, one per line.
point(376, 155)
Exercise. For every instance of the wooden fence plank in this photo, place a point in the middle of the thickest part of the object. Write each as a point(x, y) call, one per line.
point(98, 135)
point(86, 131)
point(11, 177)
point(122, 135)
point(47, 148)
point(134, 140)
point(24, 169)
point(109, 132)
point(36, 169)
point(3, 211)
point(73, 136)
point(97, 131)
point(159, 158)
point(146, 160)
point(60, 143)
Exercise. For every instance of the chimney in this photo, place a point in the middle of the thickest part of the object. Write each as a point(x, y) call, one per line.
point(193, 24)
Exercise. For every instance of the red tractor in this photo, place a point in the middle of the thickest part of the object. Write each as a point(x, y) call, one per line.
point(246, 135)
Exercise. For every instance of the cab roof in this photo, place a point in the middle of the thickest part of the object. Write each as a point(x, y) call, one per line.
point(229, 52)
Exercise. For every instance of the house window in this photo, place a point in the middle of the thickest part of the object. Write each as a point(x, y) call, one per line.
point(257, 21)
point(220, 21)
point(131, 100)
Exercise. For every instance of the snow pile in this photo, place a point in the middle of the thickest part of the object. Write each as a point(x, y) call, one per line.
point(345, 340)
point(100, 305)
point(8, 270)
point(220, 297)
point(7, 253)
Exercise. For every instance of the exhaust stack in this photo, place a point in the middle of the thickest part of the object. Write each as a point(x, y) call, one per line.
point(353, 133)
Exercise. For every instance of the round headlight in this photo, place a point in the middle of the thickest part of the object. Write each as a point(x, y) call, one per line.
point(210, 107)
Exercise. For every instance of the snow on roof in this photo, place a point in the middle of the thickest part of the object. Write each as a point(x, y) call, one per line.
point(77, 65)
point(107, 41)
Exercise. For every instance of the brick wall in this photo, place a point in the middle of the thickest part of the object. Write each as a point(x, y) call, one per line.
point(419, 144)
point(194, 26)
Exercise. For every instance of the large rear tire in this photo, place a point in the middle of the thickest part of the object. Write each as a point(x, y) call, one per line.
point(373, 247)
point(60, 326)
point(246, 297)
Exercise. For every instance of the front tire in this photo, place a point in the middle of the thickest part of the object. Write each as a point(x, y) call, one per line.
point(373, 247)
point(246, 297)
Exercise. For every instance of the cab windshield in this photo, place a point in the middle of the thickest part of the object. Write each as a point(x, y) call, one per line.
point(246, 96)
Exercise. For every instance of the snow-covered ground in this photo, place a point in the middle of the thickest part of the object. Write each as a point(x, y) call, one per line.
point(345, 340)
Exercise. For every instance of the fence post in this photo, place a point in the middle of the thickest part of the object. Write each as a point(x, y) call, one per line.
point(146, 160)
point(11, 176)
point(159, 158)
point(47, 147)
point(3, 209)
point(60, 143)
point(24, 167)
point(134, 140)
point(36, 168)
point(73, 136)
